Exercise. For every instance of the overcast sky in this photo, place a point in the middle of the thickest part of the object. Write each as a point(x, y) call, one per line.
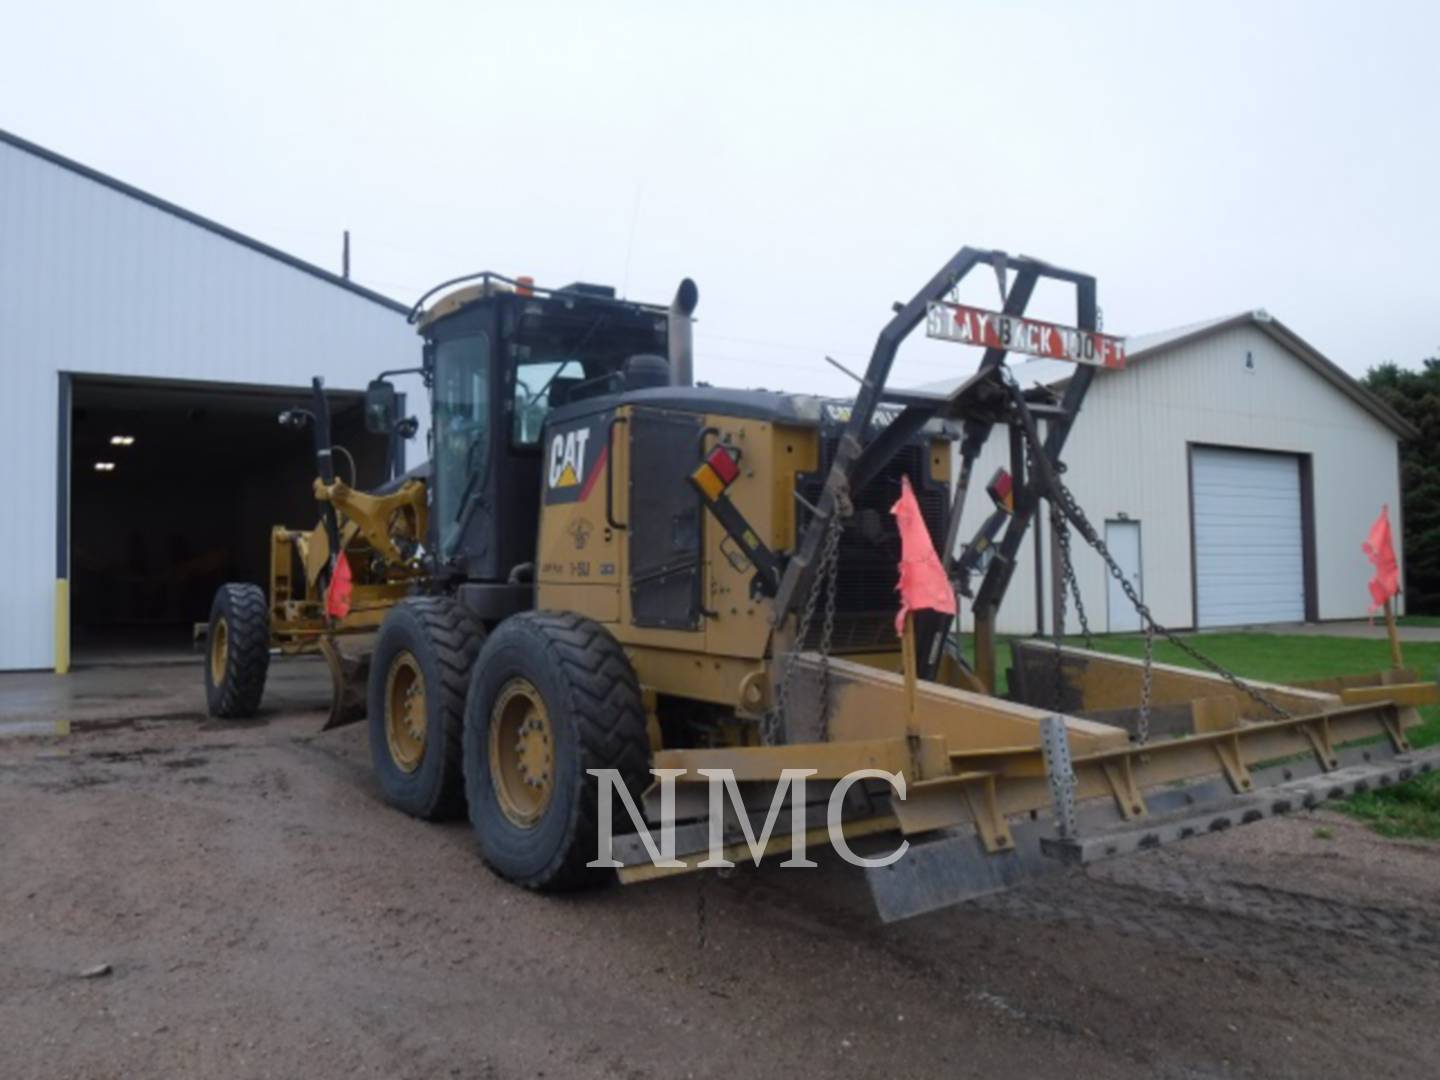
point(806, 164)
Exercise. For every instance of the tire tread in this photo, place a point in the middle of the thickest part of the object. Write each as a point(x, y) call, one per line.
point(456, 636)
point(247, 662)
point(609, 723)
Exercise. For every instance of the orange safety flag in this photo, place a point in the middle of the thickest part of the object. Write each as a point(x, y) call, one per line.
point(337, 598)
point(1381, 551)
point(923, 584)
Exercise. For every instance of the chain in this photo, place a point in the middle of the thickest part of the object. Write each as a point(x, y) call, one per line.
point(1069, 585)
point(1067, 564)
point(826, 581)
point(1057, 524)
point(1142, 726)
point(1062, 496)
point(830, 571)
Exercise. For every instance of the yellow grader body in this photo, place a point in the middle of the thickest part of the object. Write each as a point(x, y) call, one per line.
point(609, 568)
point(371, 529)
point(378, 534)
point(976, 772)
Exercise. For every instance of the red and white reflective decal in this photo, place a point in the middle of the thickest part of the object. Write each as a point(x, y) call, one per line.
point(993, 330)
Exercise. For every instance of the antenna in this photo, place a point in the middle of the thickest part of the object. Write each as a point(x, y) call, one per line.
point(345, 257)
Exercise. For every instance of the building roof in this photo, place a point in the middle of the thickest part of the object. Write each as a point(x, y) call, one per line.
point(202, 222)
point(1056, 373)
point(1136, 344)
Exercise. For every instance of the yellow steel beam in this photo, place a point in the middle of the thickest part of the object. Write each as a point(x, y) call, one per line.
point(831, 761)
point(1114, 771)
point(1097, 681)
point(868, 703)
point(1415, 694)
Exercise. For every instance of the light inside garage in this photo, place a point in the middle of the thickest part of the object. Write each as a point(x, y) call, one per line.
point(174, 488)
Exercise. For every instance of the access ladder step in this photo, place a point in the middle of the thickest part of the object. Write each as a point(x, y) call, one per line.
point(1243, 809)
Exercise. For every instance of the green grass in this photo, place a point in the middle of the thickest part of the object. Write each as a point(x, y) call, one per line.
point(1287, 657)
point(1408, 810)
point(1419, 620)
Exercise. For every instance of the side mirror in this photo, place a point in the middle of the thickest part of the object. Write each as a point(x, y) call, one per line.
point(380, 407)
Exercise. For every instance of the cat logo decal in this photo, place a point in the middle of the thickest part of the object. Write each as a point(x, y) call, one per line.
point(572, 464)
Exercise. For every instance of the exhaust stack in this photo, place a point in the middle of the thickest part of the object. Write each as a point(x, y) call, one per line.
point(682, 353)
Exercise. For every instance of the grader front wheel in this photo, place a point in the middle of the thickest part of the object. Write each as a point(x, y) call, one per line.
point(418, 674)
point(238, 657)
point(405, 712)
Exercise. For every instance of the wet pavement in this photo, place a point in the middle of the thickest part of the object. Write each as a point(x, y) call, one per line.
point(105, 695)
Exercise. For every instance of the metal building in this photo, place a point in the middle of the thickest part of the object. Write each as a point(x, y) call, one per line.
point(1234, 472)
point(146, 354)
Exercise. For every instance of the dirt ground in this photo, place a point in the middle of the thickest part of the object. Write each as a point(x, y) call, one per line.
point(264, 915)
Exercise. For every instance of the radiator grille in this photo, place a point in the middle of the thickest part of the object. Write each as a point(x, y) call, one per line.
point(866, 601)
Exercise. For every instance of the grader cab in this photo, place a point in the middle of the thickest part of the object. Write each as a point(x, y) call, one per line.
point(626, 575)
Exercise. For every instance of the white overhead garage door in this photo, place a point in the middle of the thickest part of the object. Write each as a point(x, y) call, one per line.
point(1249, 546)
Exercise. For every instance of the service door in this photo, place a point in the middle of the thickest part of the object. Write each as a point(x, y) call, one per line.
point(1249, 544)
point(664, 521)
point(1123, 540)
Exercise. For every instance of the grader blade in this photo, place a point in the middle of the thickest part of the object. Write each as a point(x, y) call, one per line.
point(1265, 801)
point(949, 869)
point(348, 659)
point(1000, 791)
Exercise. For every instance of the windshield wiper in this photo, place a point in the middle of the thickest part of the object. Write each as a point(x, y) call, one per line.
point(465, 500)
point(467, 510)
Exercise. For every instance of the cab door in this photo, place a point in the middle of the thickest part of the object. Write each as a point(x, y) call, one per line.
point(462, 511)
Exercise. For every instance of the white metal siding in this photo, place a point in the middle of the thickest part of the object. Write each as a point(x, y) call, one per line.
point(1249, 544)
point(1128, 454)
point(93, 281)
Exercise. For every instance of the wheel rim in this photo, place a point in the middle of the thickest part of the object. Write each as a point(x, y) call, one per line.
point(522, 753)
point(219, 650)
point(405, 713)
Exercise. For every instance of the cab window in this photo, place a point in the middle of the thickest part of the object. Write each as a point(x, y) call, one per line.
point(540, 385)
point(461, 431)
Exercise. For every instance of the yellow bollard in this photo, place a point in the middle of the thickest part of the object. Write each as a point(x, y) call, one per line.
point(62, 626)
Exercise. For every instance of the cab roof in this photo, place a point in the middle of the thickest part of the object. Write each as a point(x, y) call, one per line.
point(488, 284)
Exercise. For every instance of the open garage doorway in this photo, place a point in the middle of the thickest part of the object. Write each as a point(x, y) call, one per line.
point(173, 489)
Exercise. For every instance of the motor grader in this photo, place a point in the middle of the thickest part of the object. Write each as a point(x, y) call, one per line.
point(608, 567)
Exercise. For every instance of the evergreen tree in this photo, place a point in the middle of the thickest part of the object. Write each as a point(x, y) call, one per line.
point(1415, 395)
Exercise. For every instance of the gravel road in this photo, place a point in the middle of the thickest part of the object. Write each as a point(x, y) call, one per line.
point(264, 915)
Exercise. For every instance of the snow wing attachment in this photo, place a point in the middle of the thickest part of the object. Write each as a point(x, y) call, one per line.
point(964, 792)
